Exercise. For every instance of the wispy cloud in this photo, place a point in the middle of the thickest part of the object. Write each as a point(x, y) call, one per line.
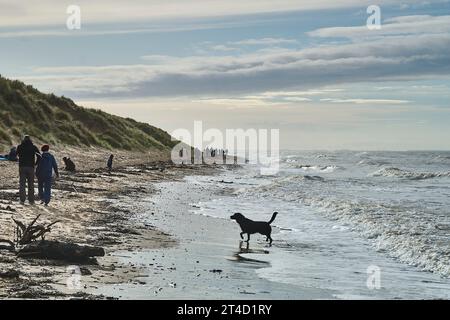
point(408, 58)
point(222, 47)
point(107, 30)
point(50, 12)
point(264, 42)
point(366, 101)
point(398, 26)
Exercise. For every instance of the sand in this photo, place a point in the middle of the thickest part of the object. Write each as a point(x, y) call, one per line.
point(82, 201)
point(141, 214)
point(209, 260)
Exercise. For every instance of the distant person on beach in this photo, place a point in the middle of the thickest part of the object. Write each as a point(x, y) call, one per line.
point(109, 164)
point(181, 153)
point(27, 153)
point(12, 155)
point(70, 165)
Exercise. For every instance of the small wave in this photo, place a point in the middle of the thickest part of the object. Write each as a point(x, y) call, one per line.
point(369, 162)
point(279, 182)
point(325, 156)
point(393, 172)
point(292, 179)
point(323, 169)
point(361, 154)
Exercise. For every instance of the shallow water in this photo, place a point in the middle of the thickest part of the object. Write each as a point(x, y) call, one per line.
point(344, 213)
point(206, 263)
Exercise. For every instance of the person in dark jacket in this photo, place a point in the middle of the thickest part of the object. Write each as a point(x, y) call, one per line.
point(70, 166)
point(109, 164)
point(27, 153)
point(12, 156)
point(44, 172)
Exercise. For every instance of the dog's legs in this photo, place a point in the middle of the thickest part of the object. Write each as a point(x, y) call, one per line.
point(270, 243)
point(248, 237)
point(242, 235)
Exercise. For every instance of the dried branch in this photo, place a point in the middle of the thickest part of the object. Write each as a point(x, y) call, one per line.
point(27, 234)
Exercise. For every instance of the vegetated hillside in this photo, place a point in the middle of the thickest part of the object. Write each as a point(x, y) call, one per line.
point(58, 120)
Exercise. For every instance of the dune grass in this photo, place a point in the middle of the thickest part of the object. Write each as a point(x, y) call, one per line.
point(58, 120)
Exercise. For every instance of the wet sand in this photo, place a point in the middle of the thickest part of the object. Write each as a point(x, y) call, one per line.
point(83, 201)
point(207, 262)
point(155, 247)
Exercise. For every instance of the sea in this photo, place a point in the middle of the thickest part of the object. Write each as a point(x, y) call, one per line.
point(364, 224)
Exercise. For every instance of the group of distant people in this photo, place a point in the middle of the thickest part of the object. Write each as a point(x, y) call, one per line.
point(40, 164)
point(208, 155)
point(212, 152)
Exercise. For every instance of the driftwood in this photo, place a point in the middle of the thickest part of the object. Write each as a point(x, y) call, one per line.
point(27, 234)
point(60, 251)
point(26, 246)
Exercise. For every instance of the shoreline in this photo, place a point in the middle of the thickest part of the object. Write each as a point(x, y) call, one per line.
point(208, 262)
point(82, 201)
point(159, 245)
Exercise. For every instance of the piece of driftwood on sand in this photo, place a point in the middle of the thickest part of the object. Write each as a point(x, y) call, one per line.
point(55, 250)
point(26, 246)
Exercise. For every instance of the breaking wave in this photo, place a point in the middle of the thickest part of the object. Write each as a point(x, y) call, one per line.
point(393, 172)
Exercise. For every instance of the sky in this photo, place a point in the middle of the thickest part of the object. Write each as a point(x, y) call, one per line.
point(312, 69)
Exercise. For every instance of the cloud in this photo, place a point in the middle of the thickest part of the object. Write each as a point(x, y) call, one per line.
point(222, 47)
point(125, 29)
point(264, 42)
point(49, 12)
point(389, 58)
point(398, 26)
point(366, 101)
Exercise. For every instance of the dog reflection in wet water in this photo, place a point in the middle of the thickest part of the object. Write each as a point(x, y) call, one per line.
point(251, 227)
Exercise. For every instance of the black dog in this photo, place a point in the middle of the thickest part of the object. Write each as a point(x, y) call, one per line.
point(250, 227)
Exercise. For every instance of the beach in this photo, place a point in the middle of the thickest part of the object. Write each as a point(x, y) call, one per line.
point(167, 234)
point(81, 204)
point(210, 261)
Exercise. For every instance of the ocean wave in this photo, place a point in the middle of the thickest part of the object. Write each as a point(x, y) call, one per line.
point(280, 182)
point(415, 236)
point(400, 232)
point(323, 169)
point(445, 159)
point(361, 154)
point(325, 156)
point(370, 162)
point(393, 172)
point(289, 180)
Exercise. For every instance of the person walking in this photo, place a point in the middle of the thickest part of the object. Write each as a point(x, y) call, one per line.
point(27, 153)
point(44, 172)
point(109, 164)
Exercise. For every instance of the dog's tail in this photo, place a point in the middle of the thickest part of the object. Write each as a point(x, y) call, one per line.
point(273, 217)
